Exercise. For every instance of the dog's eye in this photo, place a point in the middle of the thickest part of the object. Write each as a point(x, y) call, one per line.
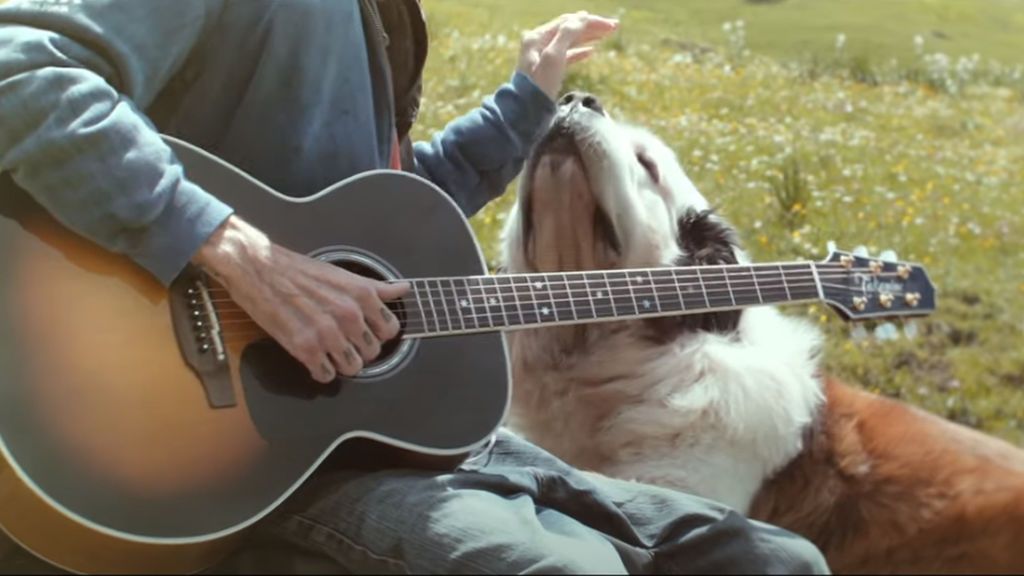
point(648, 163)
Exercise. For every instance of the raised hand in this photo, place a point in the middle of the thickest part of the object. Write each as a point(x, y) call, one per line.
point(547, 51)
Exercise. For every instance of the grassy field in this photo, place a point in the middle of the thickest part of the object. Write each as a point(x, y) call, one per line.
point(781, 28)
point(800, 143)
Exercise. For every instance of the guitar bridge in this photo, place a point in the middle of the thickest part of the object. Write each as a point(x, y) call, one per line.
point(197, 327)
point(205, 322)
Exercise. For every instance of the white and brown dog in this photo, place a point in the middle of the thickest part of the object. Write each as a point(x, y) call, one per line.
point(732, 405)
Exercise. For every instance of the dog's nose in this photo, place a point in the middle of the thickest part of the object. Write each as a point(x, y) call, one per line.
point(584, 99)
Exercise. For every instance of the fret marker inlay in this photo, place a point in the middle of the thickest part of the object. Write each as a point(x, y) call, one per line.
point(600, 294)
point(545, 310)
point(538, 285)
point(493, 301)
point(647, 304)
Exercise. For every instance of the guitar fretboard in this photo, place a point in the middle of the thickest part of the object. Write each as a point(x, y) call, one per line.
point(443, 306)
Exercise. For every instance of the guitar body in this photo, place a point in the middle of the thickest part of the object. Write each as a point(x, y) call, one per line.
point(123, 450)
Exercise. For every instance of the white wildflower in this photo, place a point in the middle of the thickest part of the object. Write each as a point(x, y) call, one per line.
point(681, 58)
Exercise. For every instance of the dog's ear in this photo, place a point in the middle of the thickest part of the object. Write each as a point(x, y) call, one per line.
point(705, 240)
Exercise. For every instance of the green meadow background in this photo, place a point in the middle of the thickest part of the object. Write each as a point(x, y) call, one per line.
point(884, 123)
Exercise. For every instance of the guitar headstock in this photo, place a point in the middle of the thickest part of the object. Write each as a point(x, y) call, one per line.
point(860, 287)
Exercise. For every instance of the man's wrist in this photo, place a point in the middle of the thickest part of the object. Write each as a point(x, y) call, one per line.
point(526, 109)
point(233, 246)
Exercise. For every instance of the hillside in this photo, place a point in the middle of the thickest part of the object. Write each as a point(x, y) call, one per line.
point(799, 150)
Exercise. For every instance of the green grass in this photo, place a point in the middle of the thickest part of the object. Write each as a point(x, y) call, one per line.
point(799, 147)
point(786, 28)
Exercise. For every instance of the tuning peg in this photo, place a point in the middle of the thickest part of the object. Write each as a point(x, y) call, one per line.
point(886, 331)
point(910, 329)
point(903, 271)
point(859, 332)
point(831, 246)
point(859, 303)
point(885, 299)
point(888, 255)
point(912, 298)
point(861, 251)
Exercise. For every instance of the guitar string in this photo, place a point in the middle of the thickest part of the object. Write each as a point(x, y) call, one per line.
point(448, 294)
point(621, 282)
point(416, 329)
point(650, 290)
point(711, 272)
point(417, 325)
point(462, 305)
point(715, 276)
point(616, 292)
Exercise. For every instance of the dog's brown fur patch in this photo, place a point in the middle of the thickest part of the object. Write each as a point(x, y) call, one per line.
point(560, 200)
point(883, 487)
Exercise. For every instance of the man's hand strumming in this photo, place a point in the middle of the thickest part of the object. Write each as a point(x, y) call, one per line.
point(331, 320)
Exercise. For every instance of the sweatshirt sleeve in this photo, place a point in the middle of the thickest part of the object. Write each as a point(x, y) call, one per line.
point(75, 76)
point(475, 157)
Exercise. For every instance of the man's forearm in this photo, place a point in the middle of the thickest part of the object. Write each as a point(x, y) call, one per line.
point(75, 139)
point(475, 157)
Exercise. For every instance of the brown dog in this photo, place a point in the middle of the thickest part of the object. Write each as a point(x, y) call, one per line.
point(731, 405)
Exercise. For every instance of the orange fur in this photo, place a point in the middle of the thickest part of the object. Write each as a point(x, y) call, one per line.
point(884, 487)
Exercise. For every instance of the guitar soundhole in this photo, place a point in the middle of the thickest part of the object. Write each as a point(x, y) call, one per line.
point(390, 348)
point(396, 351)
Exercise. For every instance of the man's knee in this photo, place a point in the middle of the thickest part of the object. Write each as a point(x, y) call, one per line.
point(529, 558)
point(806, 558)
point(732, 543)
point(511, 535)
point(548, 553)
point(782, 552)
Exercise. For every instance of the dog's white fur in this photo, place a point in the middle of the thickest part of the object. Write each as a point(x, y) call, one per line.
point(714, 415)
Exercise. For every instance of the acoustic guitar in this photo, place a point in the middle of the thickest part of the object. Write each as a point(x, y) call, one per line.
point(142, 429)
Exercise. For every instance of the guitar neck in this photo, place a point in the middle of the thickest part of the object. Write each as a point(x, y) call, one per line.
point(460, 305)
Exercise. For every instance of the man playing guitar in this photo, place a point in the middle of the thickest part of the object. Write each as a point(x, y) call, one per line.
point(301, 94)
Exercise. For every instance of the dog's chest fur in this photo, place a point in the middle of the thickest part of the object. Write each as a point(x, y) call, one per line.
point(708, 413)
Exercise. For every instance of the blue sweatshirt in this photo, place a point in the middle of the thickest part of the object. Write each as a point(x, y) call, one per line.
point(283, 89)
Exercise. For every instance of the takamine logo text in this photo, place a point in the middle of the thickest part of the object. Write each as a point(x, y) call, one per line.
point(872, 285)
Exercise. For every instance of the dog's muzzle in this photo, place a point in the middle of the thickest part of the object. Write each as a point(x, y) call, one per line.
point(570, 123)
point(569, 140)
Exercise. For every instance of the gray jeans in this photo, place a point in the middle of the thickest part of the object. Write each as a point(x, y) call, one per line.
point(517, 510)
